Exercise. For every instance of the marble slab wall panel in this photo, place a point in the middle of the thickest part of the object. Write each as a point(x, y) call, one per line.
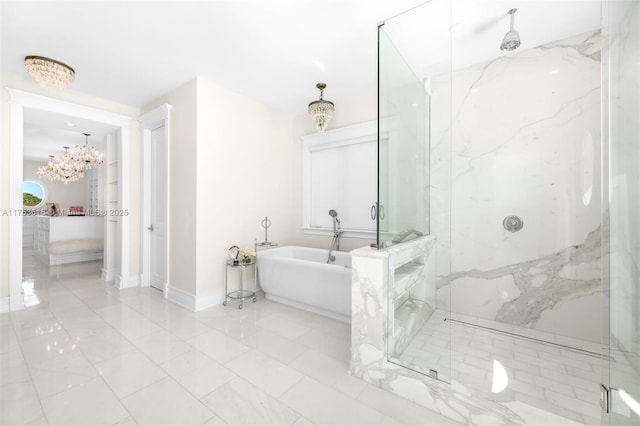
point(411, 294)
point(523, 139)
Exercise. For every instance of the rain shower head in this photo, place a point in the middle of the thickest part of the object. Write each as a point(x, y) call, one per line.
point(511, 40)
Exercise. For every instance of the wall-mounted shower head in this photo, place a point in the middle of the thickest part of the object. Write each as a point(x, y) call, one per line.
point(511, 40)
point(336, 221)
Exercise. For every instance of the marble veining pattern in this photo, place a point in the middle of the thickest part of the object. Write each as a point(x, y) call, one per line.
point(538, 285)
point(523, 139)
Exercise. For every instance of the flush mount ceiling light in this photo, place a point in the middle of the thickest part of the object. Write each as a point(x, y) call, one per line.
point(49, 72)
point(321, 110)
point(87, 156)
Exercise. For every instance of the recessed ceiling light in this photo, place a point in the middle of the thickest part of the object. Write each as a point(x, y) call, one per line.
point(553, 72)
point(69, 124)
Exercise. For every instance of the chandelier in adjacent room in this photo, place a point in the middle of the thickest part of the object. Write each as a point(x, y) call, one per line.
point(47, 171)
point(69, 165)
point(321, 110)
point(87, 155)
point(62, 168)
point(49, 72)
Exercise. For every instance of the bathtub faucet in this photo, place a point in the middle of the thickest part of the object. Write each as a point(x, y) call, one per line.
point(337, 233)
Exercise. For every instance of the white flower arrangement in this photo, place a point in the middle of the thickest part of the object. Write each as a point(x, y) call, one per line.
point(247, 255)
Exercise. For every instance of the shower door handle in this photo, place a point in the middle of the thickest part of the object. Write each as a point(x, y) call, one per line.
point(377, 211)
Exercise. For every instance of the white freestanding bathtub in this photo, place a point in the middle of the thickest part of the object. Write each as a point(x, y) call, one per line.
point(301, 277)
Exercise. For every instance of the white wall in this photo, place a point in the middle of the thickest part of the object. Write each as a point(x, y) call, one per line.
point(65, 194)
point(245, 171)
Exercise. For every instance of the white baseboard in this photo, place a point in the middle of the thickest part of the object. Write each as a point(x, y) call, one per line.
point(108, 275)
point(209, 301)
point(5, 306)
point(131, 281)
point(181, 297)
point(191, 301)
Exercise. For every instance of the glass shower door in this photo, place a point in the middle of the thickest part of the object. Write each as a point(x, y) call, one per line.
point(621, 371)
point(418, 334)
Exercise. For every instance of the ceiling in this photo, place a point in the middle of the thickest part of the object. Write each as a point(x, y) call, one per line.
point(47, 133)
point(273, 51)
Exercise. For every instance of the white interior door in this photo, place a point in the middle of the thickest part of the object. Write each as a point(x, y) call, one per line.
point(158, 238)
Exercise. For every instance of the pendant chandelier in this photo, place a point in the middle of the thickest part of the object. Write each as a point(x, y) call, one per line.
point(49, 72)
point(62, 168)
point(88, 156)
point(69, 165)
point(321, 110)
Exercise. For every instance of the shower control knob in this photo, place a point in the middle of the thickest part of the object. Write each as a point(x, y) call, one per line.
point(513, 223)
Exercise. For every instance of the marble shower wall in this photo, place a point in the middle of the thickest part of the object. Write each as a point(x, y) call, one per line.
point(525, 141)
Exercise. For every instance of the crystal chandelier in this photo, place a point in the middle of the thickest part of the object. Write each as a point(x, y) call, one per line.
point(321, 110)
point(49, 72)
point(47, 171)
point(62, 168)
point(88, 156)
point(69, 165)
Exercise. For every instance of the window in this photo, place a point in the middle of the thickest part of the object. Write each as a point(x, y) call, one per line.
point(34, 194)
point(340, 173)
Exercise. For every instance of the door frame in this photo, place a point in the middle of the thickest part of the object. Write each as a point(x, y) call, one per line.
point(19, 100)
point(150, 121)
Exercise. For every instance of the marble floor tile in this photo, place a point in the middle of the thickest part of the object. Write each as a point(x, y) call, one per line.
point(233, 327)
point(205, 379)
point(186, 363)
point(186, 328)
point(92, 403)
point(311, 399)
point(264, 372)
point(54, 375)
point(218, 346)
point(19, 404)
point(8, 340)
point(161, 346)
point(283, 325)
point(166, 403)
point(327, 344)
point(128, 373)
point(13, 368)
point(37, 329)
point(105, 345)
point(274, 345)
point(238, 402)
point(48, 346)
point(404, 411)
point(329, 371)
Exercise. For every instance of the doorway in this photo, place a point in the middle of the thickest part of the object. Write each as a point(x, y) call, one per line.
point(20, 101)
point(155, 198)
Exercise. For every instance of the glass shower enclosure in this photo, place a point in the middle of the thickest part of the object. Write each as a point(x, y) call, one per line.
point(522, 166)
